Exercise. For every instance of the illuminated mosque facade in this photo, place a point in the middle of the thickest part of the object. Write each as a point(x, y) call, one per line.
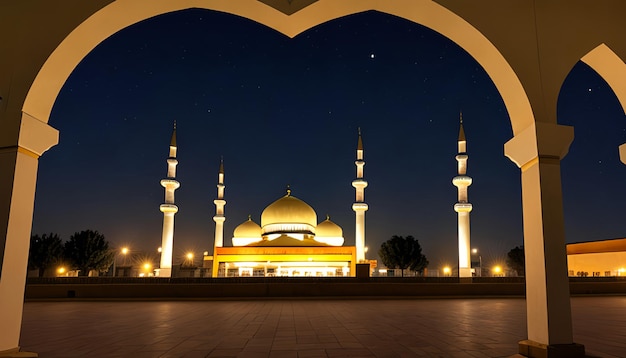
point(289, 240)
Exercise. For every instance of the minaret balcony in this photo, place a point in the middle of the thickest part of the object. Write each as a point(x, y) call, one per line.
point(219, 218)
point(168, 208)
point(172, 161)
point(170, 183)
point(461, 157)
point(462, 207)
point(360, 207)
point(221, 202)
point(359, 183)
point(462, 180)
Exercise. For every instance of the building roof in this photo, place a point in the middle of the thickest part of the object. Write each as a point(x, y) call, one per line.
point(589, 247)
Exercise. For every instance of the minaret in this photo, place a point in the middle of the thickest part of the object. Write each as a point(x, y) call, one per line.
point(463, 207)
point(359, 206)
point(219, 217)
point(169, 209)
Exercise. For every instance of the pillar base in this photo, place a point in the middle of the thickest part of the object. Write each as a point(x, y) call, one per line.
point(15, 353)
point(534, 349)
point(163, 272)
point(465, 272)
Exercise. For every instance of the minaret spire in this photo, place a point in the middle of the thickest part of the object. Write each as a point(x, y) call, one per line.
point(359, 206)
point(463, 207)
point(169, 209)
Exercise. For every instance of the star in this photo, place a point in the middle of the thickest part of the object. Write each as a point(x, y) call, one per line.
point(372, 55)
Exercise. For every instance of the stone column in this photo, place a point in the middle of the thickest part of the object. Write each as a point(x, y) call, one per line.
point(18, 176)
point(538, 151)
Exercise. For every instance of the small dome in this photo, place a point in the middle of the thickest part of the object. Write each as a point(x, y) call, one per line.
point(328, 228)
point(248, 229)
point(288, 214)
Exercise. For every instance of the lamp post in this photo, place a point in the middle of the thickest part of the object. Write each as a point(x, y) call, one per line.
point(480, 262)
point(124, 252)
point(190, 258)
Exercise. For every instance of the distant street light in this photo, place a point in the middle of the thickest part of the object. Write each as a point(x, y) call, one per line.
point(125, 252)
point(190, 258)
point(480, 262)
point(497, 270)
point(447, 271)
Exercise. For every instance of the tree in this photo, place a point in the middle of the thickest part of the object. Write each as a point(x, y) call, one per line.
point(88, 250)
point(515, 260)
point(403, 253)
point(45, 251)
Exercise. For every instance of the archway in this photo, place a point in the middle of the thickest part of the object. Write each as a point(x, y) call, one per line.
point(537, 147)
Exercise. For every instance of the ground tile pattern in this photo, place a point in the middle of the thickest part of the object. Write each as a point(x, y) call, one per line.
point(298, 328)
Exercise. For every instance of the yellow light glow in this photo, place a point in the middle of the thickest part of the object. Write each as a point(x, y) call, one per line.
point(61, 270)
point(160, 249)
point(621, 271)
point(147, 266)
point(474, 251)
point(124, 250)
point(189, 255)
point(447, 270)
point(497, 270)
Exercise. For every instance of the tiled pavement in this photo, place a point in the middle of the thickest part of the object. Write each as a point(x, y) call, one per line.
point(489, 327)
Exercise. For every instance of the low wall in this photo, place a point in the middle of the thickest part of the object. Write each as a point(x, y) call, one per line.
point(179, 288)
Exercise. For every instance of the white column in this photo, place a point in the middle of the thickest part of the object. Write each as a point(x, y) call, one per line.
point(169, 209)
point(359, 206)
point(18, 176)
point(538, 151)
point(219, 217)
point(463, 207)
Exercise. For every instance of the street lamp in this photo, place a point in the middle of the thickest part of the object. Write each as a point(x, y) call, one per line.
point(124, 252)
point(480, 262)
point(497, 270)
point(447, 271)
point(190, 258)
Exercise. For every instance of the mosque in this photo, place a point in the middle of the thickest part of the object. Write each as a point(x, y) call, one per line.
point(288, 242)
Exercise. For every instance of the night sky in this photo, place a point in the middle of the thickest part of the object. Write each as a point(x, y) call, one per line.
point(286, 111)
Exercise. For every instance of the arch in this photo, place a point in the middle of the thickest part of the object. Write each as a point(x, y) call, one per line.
point(611, 68)
point(123, 13)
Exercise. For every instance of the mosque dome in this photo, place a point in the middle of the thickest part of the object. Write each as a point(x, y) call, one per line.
point(288, 215)
point(248, 229)
point(328, 228)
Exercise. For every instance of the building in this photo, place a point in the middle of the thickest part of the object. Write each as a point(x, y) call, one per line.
point(597, 258)
point(289, 241)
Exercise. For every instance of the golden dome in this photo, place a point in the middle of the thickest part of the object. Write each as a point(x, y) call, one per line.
point(328, 228)
point(248, 229)
point(288, 214)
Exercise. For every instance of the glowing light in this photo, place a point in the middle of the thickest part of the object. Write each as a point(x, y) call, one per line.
point(147, 266)
point(189, 256)
point(621, 271)
point(160, 249)
point(124, 250)
point(474, 251)
point(447, 271)
point(497, 270)
point(61, 270)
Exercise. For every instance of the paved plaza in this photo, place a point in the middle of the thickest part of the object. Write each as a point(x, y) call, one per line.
point(450, 327)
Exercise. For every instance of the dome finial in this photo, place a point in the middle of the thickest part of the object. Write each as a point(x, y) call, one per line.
point(288, 190)
point(249, 217)
point(221, 170)
point(327, 217)
point(359, 145)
